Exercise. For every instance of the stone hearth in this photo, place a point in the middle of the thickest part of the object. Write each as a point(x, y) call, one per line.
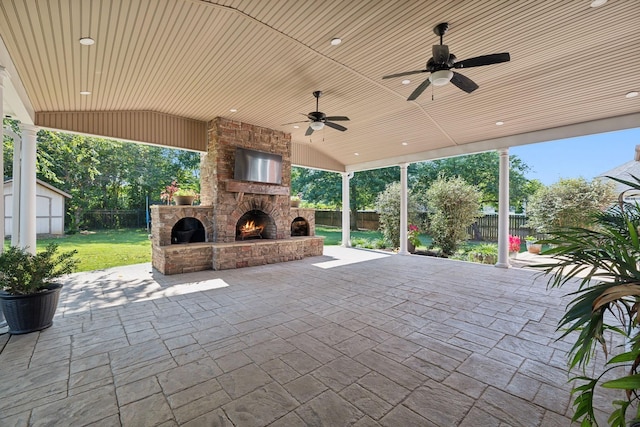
point(225, 203)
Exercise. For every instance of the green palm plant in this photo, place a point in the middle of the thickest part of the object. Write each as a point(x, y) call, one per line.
point(605, 260)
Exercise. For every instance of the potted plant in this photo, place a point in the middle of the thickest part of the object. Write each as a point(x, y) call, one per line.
point(28, 289)
point(605, 309)
point(185, 196)
point(295, 201)
point(532, 246)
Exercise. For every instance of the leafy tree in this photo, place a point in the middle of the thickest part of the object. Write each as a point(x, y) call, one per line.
point(453, 204)
point(481, 170)
point(568, 203)
point(388, 208)
point(107, 174)
point(325, 188)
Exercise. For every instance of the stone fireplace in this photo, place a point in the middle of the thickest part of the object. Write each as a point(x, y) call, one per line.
point(239, 223)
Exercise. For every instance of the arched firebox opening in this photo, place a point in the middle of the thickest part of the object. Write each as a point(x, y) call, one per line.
point(188, 230)
point(299, 227)
point(255, 224)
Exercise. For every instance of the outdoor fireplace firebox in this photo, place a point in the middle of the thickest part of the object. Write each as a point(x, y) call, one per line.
point(255, 224)
point(245, 217)
point(187, 230)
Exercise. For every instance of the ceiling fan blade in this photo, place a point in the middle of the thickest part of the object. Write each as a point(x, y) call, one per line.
point(337, 118)
point(418, 91)
point(464, 83)
point(309, 131)
point(440, 53)
point(336, 126)
point(406, 73)
point(478, 61)
point(294, 123)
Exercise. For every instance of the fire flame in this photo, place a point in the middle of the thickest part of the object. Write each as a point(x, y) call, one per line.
point(250, 226)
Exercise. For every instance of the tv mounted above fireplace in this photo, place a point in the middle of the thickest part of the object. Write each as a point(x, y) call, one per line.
point(257, 166)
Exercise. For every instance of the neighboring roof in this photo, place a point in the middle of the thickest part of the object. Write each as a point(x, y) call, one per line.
point(624, 171)
point(157, 67)
point(49, 186)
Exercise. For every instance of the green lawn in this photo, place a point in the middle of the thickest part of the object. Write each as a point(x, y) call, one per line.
point(333, 235)
point(112, 248)
point(105, 248)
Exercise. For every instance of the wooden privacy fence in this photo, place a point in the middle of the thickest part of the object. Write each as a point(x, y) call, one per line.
point(366, 220)
point(485, 228)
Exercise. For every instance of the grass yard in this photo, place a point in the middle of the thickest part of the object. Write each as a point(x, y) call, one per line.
point(333, 235)
point(111, 248)
point(105, 248)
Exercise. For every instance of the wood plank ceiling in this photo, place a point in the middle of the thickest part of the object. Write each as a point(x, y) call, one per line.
point(570, 64)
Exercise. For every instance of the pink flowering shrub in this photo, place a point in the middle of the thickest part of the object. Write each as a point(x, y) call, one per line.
point(514, 243)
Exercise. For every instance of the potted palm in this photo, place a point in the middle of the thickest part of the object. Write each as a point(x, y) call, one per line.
point(605, 309)
point(29, 291)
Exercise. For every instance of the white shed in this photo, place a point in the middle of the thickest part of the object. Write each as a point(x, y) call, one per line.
point(50, 208)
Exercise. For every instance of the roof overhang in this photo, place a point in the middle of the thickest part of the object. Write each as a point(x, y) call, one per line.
point(159, 70)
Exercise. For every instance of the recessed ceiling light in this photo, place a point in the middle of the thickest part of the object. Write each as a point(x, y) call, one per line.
point(296, 127)
point(405, 143)
point(406, 81)
point(356, 154)
point(499, 123)
point(234, 110)
point(632, 94)
point(85, 92)
point(336, 41)
point(87, 41)
point(598, 3)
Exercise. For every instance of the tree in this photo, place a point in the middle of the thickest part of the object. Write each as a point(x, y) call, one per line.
point(325, 188)
point(481, 170)
point(568, 203)
point(388, 208)
point(453, 205)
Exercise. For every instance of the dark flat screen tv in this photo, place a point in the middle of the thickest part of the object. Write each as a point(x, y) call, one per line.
point(257, 166)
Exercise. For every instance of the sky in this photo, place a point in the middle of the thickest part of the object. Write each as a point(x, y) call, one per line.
point(585, 156)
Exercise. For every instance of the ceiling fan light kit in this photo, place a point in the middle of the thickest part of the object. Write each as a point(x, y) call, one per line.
point(440, 64)
point(441, 77)
point(317, 119)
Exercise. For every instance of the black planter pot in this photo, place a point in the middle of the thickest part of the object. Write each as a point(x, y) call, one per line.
point(30, 313)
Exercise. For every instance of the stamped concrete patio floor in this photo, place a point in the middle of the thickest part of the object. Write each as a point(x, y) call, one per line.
point(350, 338)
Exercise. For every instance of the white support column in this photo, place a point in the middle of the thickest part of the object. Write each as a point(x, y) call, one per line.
point(28, 188)
point(403, 208)
point(3, 75)
point(346, 203)
point(16, 213)
point(503, 210)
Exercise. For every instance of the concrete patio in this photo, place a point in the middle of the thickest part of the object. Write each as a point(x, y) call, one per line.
point(353, 337)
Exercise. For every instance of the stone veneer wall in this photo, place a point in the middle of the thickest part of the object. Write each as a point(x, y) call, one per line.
point(183, 258)
point(216, 176)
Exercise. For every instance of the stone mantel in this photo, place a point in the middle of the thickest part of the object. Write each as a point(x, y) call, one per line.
point(255, 188)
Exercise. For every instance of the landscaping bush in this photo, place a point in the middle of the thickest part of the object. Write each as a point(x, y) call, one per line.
point(388, 208)
point(568, 203)
point(453, 205)
point(486, 253)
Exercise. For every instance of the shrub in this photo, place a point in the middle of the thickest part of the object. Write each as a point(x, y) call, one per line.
point(388, 207)
point(568, 203)
point(486, 253)
point(453, 205)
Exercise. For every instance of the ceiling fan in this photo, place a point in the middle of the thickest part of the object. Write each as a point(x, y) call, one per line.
point(441, 63)
point(317, 119)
